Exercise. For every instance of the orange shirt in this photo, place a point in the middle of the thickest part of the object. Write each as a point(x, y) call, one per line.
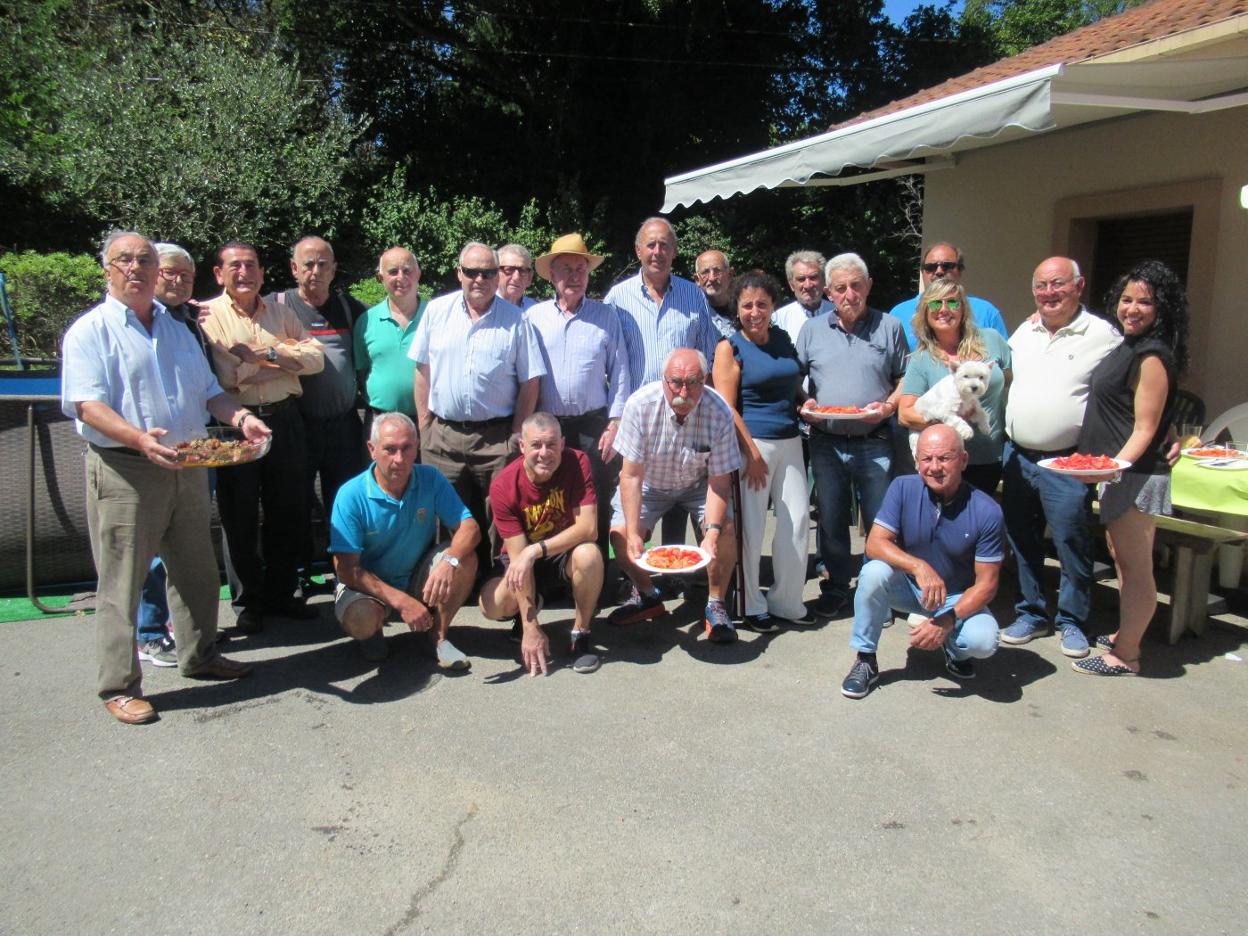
point(273, 324)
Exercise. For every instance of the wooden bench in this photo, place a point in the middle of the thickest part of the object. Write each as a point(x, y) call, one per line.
point(1193, 544)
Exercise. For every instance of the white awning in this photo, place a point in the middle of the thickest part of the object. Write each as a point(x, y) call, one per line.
point(925, 137)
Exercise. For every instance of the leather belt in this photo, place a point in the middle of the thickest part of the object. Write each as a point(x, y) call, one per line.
point(268, 409)
point(464, 425)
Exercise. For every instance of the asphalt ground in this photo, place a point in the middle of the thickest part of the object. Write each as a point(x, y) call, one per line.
point(683, 788)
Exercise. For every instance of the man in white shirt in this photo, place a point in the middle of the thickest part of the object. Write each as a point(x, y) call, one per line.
point(1055, 352)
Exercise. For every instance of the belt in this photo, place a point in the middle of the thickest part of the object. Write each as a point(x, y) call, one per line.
point(877, 433)
point(1036, 455)
point(465, 425)
point(268, 409)
point(115, 450)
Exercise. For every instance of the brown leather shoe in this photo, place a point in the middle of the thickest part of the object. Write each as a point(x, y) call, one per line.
point(221, 668)
point(130, 710)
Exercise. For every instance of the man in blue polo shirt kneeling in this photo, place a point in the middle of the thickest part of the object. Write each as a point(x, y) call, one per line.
point(935, 548)
point(385, 557)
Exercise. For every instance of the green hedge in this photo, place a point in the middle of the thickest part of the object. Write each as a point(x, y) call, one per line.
point(47, 292)
point(370, 291)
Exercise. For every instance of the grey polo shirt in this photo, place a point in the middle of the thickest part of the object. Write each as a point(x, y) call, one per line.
point(852, 368)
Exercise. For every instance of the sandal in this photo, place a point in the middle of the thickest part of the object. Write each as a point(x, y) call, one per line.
point(1096, 666)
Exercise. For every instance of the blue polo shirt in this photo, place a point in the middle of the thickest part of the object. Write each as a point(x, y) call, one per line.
point(951, 537)
point(389, 535)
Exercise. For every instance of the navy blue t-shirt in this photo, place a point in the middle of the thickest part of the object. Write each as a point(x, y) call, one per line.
point(951, 537)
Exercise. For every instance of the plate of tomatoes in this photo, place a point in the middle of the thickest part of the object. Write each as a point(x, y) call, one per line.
point(1085, 467)
point(836, 412)
point(674, 560)
point(1212, 451)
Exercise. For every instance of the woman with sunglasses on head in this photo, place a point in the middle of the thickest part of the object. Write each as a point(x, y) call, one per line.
point(945, 336)
point(757, 372)
point(1130, 410)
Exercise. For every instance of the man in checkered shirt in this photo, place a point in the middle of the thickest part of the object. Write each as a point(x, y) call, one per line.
point(680, 448)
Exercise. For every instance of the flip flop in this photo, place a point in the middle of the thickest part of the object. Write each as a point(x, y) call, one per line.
point(1096, 666)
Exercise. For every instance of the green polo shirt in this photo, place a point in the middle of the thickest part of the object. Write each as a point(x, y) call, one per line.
point(382, 361)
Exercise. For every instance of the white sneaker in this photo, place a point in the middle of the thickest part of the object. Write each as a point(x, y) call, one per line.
point(450, 657)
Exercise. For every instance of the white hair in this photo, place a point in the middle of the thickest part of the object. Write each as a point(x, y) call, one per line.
point(374, 435)
point(165, 250)
point(667, 361)
point(655, 220)
point(474, 244)
point(807, 257)
point(519, 250)
point(846, 261)
point(113, 236)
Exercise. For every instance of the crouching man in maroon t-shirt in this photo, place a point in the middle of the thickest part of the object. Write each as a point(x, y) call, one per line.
point(545, 511)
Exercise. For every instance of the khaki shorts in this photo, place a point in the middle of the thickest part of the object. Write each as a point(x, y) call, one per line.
point(345, 597)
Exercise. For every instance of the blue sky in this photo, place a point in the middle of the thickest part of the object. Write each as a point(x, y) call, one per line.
point(898, 10)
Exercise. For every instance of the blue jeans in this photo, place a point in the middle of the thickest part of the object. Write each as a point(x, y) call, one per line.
point(839, 462)
point(153, 604)
point(883, 589)
point(1031, 498)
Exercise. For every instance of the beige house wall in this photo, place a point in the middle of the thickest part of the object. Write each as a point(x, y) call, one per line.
point(1010, 206)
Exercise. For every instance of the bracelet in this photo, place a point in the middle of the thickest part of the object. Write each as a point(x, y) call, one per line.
point(543, 545)
point(242, 419)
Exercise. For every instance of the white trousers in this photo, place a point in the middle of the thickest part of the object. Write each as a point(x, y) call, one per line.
point(786, 488)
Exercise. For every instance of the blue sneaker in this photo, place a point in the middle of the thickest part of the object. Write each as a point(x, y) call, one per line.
point(1074, 643)
point(1023, 631)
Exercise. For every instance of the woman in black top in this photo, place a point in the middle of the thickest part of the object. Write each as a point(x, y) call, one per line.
point(1130, 410)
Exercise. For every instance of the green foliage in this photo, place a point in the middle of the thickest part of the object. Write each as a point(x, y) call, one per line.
point(435, 229)
point(368, 291)
point(1015, 25)
point(47, 292)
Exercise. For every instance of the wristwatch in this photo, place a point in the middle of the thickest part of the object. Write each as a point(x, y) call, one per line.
point(717, 527)
point(271, 355)
point(451, 561)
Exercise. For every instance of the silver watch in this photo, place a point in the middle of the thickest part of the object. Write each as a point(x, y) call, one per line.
point(451, 561)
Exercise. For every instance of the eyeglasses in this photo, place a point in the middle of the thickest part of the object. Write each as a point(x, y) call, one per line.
point(1056, 285)
point(125, 262)
point(470, 273)
point(510, 270)
point(943, 266)
point(687, 383)
point(934, 305)
point(176, 276)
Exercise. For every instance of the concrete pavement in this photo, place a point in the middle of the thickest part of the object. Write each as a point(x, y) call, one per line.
point(683, 788)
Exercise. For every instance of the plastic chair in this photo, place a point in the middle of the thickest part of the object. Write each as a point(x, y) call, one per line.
point(1189, 409)
point(1234, 421)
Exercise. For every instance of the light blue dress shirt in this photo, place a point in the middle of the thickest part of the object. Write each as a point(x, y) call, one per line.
point(159, 380)
point(585, 358)
point(475, 368)
point(652, 332)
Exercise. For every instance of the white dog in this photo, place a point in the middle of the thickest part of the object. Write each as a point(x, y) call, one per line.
point(954, 401)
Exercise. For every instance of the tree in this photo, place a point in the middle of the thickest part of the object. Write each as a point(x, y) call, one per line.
point(1015, 25)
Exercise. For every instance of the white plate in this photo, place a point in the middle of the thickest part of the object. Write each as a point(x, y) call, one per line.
point(1189, 452)
point(1224, 464)
point(702, 563)
point(1085, 473)
point(848, 417)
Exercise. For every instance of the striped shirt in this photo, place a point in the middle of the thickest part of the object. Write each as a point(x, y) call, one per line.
point(159, 380)
point(584, 356)
point(678, 456)
point(475, 368)
point(652, 332)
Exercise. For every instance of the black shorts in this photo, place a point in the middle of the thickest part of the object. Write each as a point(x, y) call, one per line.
point(553, 570)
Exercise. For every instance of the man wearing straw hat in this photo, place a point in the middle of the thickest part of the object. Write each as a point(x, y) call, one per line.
point(587, 378)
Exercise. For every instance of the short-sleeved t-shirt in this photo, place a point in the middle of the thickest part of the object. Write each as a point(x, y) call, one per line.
point(924, 372)
point(391, 535)
point(540, 511)
point(951, 537)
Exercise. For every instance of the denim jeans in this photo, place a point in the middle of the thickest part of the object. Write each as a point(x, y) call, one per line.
point(839, 462)
point(1032, 497)
point(153, 604)
point(883, 590)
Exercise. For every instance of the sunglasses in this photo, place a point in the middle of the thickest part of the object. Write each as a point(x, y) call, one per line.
point(471, 273)
point(943, 266)
point(513, 270)
point(934, 305)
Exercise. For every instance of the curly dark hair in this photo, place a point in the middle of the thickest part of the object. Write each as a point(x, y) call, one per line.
point(1170, 299)
point(753, 279)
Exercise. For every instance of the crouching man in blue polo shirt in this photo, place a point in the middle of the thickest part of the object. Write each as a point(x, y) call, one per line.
point(382, 540)
point(935, 548)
